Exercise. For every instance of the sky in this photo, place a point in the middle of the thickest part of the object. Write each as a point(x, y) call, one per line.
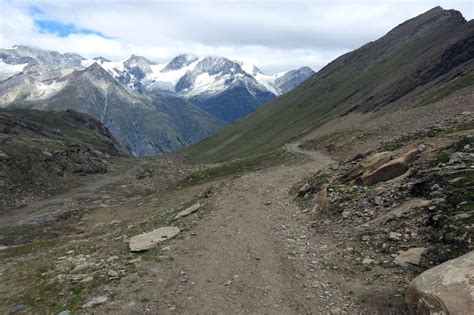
point(274, 35)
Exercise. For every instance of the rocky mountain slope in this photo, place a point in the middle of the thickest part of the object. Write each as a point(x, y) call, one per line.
point(418, 62)
point(41, 151)
point(145, 125)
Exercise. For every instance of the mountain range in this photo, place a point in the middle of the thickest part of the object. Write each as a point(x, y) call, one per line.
point(150, 108)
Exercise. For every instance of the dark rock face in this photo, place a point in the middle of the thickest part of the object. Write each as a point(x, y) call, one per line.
point(179, 61)
point(233, 103)
point(293, 78)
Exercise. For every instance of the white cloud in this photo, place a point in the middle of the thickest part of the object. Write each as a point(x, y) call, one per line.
point(275, 35)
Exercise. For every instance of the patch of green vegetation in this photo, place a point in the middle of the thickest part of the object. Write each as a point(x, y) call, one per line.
point(435, 133)
point(319, 180)
point(442, 157)
point(30, 248)
point(238, 167)
point(461, 192)
point(328, 140)
point(466, 141)
point(439, 94)
point(45, 294)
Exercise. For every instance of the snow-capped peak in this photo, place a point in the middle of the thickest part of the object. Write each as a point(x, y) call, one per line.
point(251, 69)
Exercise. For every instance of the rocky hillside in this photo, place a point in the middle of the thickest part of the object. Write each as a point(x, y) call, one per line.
point(415, 64)
point(41, 152)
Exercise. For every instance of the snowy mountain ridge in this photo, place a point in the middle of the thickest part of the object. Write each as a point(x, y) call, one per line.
point(188, 75)
point(224, 88)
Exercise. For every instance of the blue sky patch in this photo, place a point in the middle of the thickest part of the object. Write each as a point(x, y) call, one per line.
point(64, 29)
point(34, 10)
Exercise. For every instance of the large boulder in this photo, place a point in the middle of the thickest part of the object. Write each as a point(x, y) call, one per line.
point(389, 170)
point(368, 165)
point(445, 289)
point(149, 240)
point(379, 167)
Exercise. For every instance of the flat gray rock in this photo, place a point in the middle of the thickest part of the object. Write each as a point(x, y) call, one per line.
point(412, 256)
point(195, 207)
point(149, 240)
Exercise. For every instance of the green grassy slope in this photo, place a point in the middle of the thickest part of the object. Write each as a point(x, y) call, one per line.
point(412, 55)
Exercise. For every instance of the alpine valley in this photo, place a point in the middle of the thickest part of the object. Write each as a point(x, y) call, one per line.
point(353, 193)
point(149, 108)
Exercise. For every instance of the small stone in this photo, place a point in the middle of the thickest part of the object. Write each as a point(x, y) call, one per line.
point(112, 259)
point(112, 273)
point(66, 312)
point(19, 309)
point(411, 256)
point(420, 148)
point(365, 238)
point(95, 301)
point(367, 261)
point(395, 236)
point(304, 189)
point(135, 260)
point(460, 216)
point(87, 279)
point(195, 207)
point(81, 267)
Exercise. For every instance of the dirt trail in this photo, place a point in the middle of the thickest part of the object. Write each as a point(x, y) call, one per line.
point(249, 254)
point(47, 209)
point(295, 148)
point(250, 250)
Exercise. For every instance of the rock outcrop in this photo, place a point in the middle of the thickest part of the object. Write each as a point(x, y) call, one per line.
point(379, 167)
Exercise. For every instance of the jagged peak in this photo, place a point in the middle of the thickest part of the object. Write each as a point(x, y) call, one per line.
point(138, 59)
point(101, 59)
point(430, 19)
point(180, 61)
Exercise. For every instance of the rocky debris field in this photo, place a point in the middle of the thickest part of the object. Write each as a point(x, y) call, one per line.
point(406, 209)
